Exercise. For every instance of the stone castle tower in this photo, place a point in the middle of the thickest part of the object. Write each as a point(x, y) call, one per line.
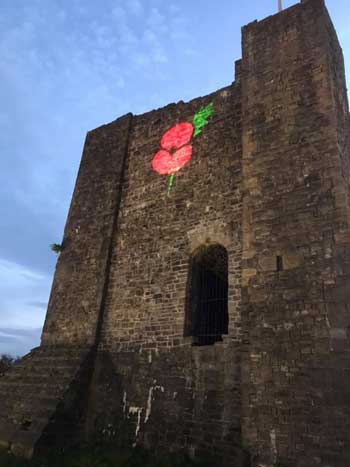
point(215, 318)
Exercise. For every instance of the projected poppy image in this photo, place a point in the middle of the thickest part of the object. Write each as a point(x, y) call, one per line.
point(176, 150)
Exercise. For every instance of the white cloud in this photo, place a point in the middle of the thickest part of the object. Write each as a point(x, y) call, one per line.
point(18, 342)
point(158, 56)
point(174, 8)
point(120, 82)
point(22, 292)
point(150, 36)
point(141, 59)
point(10, 270)
point(135, 7)
point(127, 37)
point(62, 15)
point(119, 14)
point(104, 36)
point(156, 21)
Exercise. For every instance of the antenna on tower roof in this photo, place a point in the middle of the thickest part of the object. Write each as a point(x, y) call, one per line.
point(279, 5)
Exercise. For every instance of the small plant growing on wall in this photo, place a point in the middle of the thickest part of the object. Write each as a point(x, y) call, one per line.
point(56, 247)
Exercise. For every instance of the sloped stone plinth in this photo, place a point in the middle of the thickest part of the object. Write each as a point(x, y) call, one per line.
point(36, 393)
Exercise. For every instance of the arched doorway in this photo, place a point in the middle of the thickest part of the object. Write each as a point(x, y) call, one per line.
point(207, 296)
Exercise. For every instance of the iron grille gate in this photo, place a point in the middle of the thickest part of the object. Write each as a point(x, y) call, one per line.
point(209, 296)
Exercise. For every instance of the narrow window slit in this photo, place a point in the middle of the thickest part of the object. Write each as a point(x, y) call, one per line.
point(279, 263)
point(207, 300)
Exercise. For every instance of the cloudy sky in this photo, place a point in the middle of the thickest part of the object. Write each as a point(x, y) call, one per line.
point(68, 66)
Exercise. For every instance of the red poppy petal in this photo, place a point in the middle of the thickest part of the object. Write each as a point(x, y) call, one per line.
point(165, 164)
point(161, 162)
point(177, 136)
point(180, 158)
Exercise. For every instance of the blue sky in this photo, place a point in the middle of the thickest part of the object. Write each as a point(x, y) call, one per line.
point(68, 66)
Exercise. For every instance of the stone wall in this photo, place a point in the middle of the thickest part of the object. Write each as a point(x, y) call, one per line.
point(294, 205)
point(78, 287)
point(162, 392)
point(183, 400)
point(157, 234)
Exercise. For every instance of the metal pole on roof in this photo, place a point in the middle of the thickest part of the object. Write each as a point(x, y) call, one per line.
point(279, 5)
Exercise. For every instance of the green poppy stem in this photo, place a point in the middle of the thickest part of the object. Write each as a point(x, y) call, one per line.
point(170, 183)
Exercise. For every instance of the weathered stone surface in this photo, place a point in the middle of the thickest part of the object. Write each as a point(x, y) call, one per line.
point(269, 181)
point(184, 400)
point(295, 176)
point(78, 287)
point(157, 234)
point(38, 394)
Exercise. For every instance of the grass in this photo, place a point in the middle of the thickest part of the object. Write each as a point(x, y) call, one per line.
point(104, 457)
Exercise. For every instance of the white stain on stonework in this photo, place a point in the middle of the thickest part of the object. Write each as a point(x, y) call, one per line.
point(124, 403)
point(132, 411)
point(135, 410)
point(273, 445)
point(149, 400)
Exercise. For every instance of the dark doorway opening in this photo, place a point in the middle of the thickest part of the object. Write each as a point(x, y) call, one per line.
point(207, 297)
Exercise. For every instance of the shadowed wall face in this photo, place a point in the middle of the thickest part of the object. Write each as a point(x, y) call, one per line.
point(78, 286)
